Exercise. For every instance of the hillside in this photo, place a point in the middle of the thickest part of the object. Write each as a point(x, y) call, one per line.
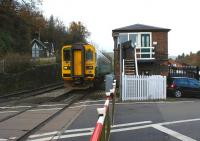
point(189, 59)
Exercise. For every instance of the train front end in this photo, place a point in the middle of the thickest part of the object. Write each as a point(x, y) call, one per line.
point(78, 63)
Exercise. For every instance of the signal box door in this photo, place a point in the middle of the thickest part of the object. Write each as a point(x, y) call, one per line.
point(77, 63)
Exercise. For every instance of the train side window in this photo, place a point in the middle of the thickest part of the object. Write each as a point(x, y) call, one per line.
point(89, 55)
point(66, 54)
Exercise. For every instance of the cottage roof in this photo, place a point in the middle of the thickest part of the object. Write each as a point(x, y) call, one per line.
point(140, 28)
point(38, 42)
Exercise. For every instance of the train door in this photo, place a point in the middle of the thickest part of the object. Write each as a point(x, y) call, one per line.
point(77, 62)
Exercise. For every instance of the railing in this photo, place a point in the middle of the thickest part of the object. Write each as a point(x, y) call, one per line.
point(103, 125)
point(123, 67)
point(143, 87)
point(136, 63)
point(145, 53)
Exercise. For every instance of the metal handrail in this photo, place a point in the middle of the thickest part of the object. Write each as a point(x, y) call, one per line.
point(136, 65)
point(123, 67)
point(151, 52)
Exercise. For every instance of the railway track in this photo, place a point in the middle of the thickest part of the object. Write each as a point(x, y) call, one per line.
point(36, 102)
point(67, 98)
point(73, 97)
point(32, 92)
point(12, 97)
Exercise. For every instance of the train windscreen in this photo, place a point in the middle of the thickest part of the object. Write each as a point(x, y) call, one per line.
point(66, 54)
point(89, 55)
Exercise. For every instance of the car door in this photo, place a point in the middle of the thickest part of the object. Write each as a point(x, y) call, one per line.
point(194, 86)
point(183, 85)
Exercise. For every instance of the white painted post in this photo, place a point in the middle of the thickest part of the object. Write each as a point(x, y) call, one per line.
point(136, 65)
point(123, 68)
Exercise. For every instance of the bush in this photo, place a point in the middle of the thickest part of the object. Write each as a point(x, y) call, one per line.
point(32, 78)
point(15, 63)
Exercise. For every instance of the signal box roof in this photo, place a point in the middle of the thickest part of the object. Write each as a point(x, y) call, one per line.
point(140, 28)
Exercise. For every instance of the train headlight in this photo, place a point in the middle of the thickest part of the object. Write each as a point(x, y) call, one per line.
point(66, 67)
point(89, 67)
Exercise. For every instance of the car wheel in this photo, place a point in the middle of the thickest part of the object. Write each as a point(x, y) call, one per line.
point(178, 94)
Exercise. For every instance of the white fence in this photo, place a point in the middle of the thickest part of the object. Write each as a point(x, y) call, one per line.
point(143, 87)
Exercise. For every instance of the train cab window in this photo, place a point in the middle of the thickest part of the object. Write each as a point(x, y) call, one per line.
point(66, 54)
point(89, 55)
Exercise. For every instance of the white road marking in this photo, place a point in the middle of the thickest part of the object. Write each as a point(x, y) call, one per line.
point(92, 101)
point(3, 139)
point(15, 107)
point(44, 134)
point(173, 133)
point(120, 130)
point(36, 110)
point(87, 105)
point(179, 121)
point(51, 105)
point(68, 124)
point(12, 138)
point(8, 112)
point(88, 129)
point(63, 136)
point(129, 124)
point(155, 102)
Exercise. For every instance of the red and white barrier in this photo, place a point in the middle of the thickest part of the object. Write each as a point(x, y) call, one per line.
point(96, 135)
point(99, 125)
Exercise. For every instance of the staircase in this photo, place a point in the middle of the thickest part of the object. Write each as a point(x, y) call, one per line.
point(129, 67)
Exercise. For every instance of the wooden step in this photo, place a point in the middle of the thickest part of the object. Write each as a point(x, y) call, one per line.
point(130, 73)
point(127, 60)
point(129, 66)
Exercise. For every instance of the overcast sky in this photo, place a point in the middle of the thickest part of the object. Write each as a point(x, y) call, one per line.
point(102, 16)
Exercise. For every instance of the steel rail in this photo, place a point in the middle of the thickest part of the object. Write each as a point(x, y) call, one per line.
point(73, 99)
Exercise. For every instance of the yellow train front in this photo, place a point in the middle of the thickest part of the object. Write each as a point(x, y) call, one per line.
point(78, 63)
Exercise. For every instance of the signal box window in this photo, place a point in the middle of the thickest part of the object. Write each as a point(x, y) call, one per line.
point(66, 55)
point(89, 55)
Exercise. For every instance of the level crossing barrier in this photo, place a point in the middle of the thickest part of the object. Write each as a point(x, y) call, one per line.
point(103, 125)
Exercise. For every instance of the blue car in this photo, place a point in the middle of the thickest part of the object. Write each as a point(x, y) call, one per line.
point(183, 86)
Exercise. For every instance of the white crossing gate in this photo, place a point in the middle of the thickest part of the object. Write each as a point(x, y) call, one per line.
point(139, 87)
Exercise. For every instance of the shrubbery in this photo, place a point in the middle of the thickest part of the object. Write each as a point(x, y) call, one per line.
point(15, 63)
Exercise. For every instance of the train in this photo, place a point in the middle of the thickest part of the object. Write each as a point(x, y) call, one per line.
point(83, 64)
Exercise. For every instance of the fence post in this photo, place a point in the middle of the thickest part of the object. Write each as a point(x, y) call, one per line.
point(113, 95)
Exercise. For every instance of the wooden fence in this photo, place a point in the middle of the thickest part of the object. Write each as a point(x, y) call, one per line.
point(143, 87)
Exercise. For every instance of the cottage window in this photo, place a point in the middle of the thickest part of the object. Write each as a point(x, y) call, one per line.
point(35, 51)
